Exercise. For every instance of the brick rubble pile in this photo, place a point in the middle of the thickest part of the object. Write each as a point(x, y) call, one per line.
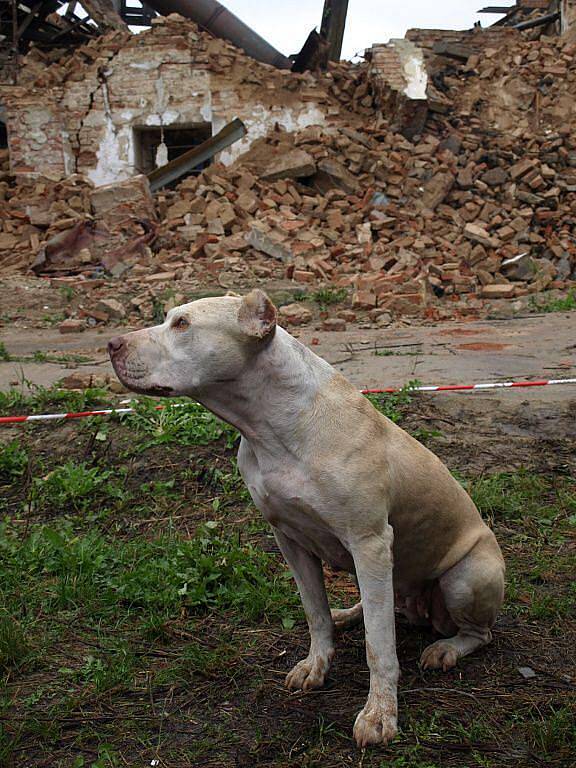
point(481, 205)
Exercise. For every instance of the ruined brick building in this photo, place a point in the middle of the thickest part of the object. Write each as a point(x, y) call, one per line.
point(104, 111)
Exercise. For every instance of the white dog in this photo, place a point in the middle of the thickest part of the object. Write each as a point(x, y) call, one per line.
point(339, 483)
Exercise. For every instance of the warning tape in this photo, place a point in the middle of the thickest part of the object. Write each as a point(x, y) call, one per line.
point(388, 390)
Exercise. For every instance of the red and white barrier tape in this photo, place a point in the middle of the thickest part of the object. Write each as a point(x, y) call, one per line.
point(388, 390)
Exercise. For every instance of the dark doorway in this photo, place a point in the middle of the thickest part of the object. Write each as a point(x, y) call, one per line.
point(177, 139)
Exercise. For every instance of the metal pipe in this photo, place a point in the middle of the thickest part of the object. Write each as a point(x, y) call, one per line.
point(212, 16)
point(531, 23)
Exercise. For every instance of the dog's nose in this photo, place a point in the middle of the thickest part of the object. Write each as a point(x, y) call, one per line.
point(115, 345)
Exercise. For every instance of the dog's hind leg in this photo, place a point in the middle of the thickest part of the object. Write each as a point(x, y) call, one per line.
point(473, 591)
point(346, 618)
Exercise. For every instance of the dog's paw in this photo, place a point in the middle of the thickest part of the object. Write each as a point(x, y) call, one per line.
point(346, 618)
point(309, 673)
point(377, 722)
point(440, 655)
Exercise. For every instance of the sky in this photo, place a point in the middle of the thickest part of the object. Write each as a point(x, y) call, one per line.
point(286, 24)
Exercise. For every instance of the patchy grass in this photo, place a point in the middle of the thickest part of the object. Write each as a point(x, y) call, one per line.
point(394, 405)
point(146, 615)
point(13, 462)
point(326, 297)
point(41, 398)
point(563, 304)
point(181, 422)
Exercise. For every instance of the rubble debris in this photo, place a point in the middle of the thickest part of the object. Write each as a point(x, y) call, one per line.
point(295, 314)
point(71, 325)
point(477, 203)
point(296, 164)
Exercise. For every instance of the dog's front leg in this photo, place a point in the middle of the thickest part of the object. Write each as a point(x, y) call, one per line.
point(377, 722)
point(307, 571)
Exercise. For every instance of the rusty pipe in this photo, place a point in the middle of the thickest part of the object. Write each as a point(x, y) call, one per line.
point(221, 22)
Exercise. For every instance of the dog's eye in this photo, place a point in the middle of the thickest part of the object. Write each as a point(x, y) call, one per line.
point(180, 324)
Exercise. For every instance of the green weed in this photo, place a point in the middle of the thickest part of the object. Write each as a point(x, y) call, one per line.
point(105, 672)
point(67, 293)
point(58, 569)
point(555, 734)
point(45, 357)
point(74, 488)
point(326, 297)
point(42, 398)
point(196, 659)
point(13, 646)
point(180, 423)
point(13, 462)
point(565, 304)
point(515, 496)
point(4, 354)
point(395, 352)
point(393, 404)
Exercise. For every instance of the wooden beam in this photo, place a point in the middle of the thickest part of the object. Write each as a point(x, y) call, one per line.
point(334, 25)
point(496, 9)
point(46, 8)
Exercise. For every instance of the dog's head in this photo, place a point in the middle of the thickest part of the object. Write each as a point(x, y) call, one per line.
point(199, 345)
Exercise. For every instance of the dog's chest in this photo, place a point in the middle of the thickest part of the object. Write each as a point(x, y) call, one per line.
point(290, 501)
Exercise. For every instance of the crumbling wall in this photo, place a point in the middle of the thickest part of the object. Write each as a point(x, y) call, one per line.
point(400, 81)
point(171, 76)
point(37, 136)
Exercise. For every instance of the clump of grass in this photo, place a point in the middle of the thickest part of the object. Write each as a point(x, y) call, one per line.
point(392, 405)
point(41, 398)
point(74, 487)
point(67, 293)
point(396, 352)
point(4, 354)
point(325, 297)
point(181, 423)
point(564, 304)
point(554, 734)
point(13, 647)
point(511, 495)
point(13, 462)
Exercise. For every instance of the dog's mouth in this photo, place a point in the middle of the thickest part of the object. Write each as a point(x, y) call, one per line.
point(135, 378)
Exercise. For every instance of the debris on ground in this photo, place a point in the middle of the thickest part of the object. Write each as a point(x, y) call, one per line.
point(425, 189)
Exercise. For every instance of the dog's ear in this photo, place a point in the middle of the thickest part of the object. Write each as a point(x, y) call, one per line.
point(257, 314)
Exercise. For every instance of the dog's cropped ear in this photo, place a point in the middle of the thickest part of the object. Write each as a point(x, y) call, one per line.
point(257, 314)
